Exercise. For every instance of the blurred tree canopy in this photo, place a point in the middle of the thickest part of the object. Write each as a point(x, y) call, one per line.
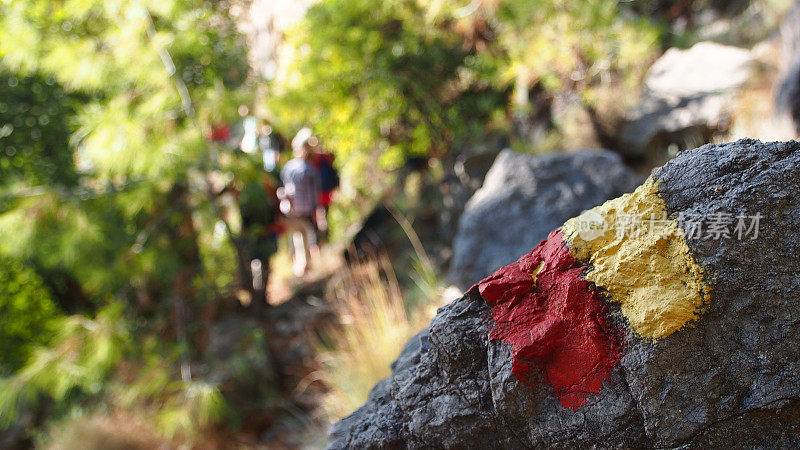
point(28, 311)
point(382, 76)
point(106, 186)
point(35, 133)
point(135, 123)
point(384, 81)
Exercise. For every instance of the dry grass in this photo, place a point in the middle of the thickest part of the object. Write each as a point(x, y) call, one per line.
point(374, 327)
point(101, 432)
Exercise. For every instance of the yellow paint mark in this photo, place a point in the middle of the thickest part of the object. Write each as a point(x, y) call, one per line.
point(536, 271)
point(652, 275)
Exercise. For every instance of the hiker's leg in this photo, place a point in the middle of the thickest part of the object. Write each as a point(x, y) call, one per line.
point(312, 249)
point(300, 253)
point(322, 219)
point(294, 230)
point(258, 274)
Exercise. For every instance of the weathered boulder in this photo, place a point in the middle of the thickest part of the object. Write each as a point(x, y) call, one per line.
point(715, 361)
point(688, 97)
point(523, 197)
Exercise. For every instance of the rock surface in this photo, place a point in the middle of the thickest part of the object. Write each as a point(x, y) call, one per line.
point(522, 199)
point(731, 377)
point(688, 97)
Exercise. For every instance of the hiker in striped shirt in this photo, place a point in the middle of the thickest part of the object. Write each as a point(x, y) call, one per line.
point(301, 185)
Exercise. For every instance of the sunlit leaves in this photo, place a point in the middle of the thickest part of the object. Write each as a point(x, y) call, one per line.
point(559, 43)
point(378, 82)
point(83, 352)
point(408, 77)
point(134, 127)
point(111, 203)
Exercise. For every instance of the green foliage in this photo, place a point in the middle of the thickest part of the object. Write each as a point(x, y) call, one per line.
point(34, 131)
point(118, 194)
point(379, 81)
point(578, 44)
point(75, 235)
point(196, 406)
point(83, 352)
point(176, 408)
point(183, 408)
point(28, 312)
point(134, 125)
point(151, 76)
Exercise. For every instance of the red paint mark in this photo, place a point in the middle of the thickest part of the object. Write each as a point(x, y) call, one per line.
point(554, 321)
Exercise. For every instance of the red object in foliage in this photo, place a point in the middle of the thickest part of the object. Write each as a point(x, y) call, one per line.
point(555, 322)
point(220, 133)
point(277, 228)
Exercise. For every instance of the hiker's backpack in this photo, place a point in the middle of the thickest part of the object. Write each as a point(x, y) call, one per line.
point(328, 176)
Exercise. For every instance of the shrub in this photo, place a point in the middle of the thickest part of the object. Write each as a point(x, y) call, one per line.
point(28, 313)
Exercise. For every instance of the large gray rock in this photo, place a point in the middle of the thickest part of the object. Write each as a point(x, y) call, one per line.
point(523, 198)
point(732, 379)
point(688, 98)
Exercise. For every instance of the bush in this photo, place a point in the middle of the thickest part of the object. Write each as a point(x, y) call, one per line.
point(28, 313)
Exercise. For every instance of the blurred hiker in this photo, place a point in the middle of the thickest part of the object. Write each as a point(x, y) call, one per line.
point(249, 143)
point(258, 205)
point(270, 148)
point(328, 182)
point(299, 202)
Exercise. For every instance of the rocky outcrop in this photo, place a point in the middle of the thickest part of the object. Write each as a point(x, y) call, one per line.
point(688, 97)
point(683, 332)
point(523, 197)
